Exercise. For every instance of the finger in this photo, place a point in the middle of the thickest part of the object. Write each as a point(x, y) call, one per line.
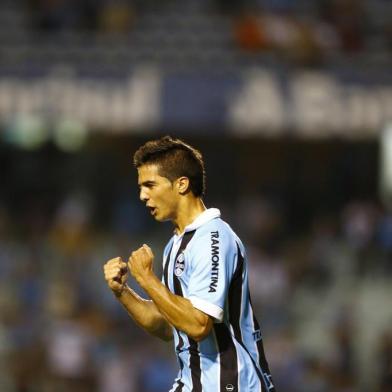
point(116, 271)
point(112, 269)
point(121, 279)
point(111, 276)
point(116, 286)
point(134, 254)
point(148, 250)
point(114, 261)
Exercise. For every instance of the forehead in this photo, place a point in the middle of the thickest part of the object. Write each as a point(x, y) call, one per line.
point(149, 172)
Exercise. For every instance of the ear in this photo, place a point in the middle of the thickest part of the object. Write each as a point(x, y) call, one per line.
point(183, 185)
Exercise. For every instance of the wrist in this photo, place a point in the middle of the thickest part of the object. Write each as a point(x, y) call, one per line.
point(146, 280)
point(119, 293)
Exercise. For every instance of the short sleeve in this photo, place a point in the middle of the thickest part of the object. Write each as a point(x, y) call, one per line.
point(213, 260)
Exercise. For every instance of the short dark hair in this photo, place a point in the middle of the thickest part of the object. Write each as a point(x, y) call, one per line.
point(174, 159)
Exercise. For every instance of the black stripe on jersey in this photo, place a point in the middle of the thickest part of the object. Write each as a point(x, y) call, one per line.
point(235, 301)
point(176, 282)
point(228, 357)
point(194, 362)
point(235, 297)
point(166, 268)
point(179, 386)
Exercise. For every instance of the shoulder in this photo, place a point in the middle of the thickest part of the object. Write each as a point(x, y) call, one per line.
point(216, 231)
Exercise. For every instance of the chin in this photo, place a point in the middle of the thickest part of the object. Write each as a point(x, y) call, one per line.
point(157, 217)
point(160, 218)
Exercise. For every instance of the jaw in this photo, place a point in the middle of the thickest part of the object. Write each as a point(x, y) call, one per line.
point(164, 215)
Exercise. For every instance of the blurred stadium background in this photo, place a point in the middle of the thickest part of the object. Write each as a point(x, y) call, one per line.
point(291, 103)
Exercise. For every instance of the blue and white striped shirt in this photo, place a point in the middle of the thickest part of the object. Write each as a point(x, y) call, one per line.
point(207, 265)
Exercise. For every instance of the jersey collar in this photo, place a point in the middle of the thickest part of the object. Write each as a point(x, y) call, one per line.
point(204, 217)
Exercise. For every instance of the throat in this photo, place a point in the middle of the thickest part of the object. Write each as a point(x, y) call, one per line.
point(187, 215)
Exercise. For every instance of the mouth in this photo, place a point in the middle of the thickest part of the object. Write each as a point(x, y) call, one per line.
point(152, 210)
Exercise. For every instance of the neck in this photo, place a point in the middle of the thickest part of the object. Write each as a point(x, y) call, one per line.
point(189, 209)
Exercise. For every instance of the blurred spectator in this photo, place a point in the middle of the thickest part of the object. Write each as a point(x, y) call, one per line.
point(349, 19)
point(115, 16)
point(57, 15)
point(118, 373)
point(69, 349)
point(385, 359)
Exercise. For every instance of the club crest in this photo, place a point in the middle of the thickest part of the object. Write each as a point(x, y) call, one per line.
point(179, 265)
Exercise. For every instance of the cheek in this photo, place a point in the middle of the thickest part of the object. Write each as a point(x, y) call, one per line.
point(168, 200)
point(161, 198)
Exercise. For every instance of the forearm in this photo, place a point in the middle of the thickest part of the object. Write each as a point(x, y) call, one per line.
point(178, 311)
point(145, 313)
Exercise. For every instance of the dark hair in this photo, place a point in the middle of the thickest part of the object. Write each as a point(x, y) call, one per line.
point(174, 159)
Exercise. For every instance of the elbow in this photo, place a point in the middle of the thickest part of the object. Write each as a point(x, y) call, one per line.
point(198, 337)
point(161, 329)
point(166, 337)
point(162, 334)
point(202, 330)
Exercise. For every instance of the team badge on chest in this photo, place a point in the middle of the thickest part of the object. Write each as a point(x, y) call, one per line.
point(179, 265)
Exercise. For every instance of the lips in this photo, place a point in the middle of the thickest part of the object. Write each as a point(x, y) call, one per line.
point(152, 209)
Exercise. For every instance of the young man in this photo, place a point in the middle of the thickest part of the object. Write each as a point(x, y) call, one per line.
point(203, 300)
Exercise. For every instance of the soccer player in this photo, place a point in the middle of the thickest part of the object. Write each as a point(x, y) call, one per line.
point(203, 300)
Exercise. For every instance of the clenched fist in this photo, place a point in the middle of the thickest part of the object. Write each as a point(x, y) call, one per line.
point(116, 274)
point(140, 263)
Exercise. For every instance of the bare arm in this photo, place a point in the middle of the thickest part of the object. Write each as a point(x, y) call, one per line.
point(178, 311)
point(144, 312)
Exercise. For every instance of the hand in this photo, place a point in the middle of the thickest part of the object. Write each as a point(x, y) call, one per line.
point(140, 263)
point(116, 274)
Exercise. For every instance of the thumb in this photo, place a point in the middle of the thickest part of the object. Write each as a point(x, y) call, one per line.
point(122, 276)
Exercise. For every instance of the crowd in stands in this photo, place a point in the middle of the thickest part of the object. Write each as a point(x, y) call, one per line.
point(307, 35)
point(300, 31)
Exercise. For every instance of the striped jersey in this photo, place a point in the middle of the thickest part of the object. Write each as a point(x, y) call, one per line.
point(207, 265)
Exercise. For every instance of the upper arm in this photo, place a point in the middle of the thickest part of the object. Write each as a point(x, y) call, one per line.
point(212, 268)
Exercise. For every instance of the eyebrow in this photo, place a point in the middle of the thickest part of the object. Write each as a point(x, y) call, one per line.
point(147, 183)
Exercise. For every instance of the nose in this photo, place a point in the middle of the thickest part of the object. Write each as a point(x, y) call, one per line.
point(143, 195)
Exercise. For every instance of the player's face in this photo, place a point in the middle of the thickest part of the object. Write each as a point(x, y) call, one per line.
point(157, 192)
